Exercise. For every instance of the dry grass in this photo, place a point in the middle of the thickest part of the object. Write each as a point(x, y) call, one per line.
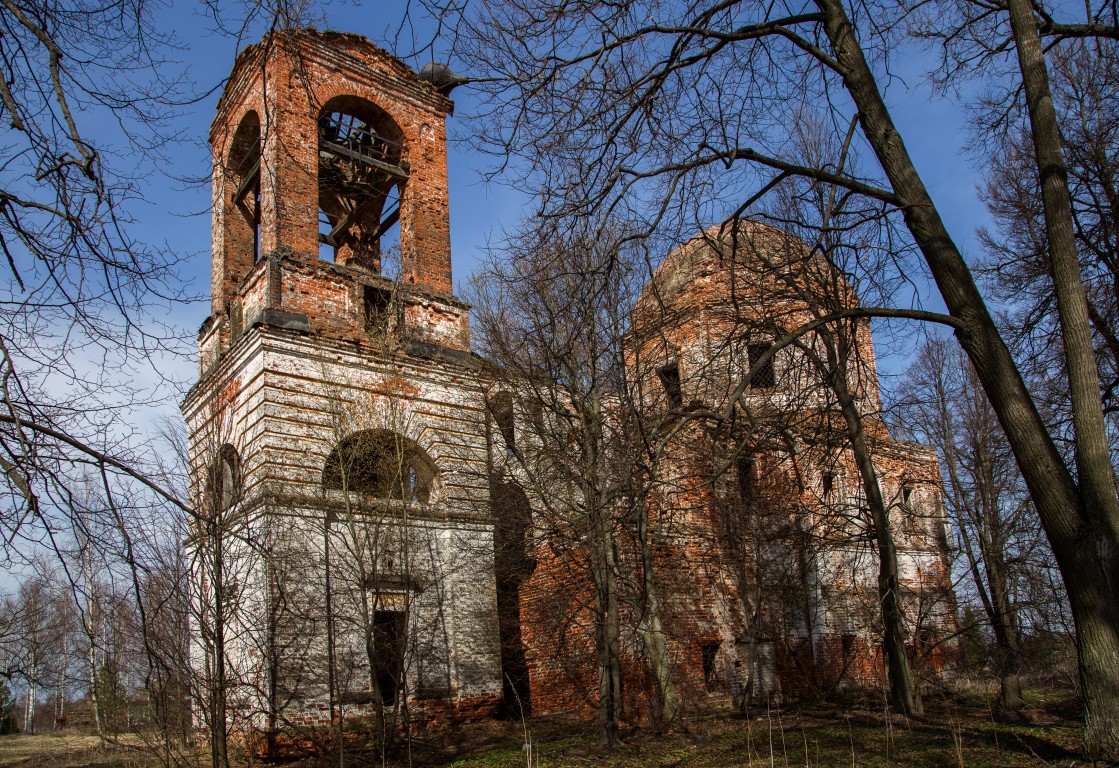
point(959, 731)
point(74, 750)
point(955, 733)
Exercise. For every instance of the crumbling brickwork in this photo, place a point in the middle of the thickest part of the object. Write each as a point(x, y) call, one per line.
point(762, 541)
point(362, 539)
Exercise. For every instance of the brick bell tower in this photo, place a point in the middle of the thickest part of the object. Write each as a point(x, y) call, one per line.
point(338, 427)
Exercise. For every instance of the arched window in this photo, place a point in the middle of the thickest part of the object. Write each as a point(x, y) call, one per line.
point(242, 172)
point(363, 168)
point(381, 464)
point(239, 206)
point(223, 484)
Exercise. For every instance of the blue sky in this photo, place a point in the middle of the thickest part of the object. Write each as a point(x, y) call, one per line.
point(178, 213)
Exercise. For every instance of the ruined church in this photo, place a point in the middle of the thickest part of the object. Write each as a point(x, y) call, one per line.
point(363, 546)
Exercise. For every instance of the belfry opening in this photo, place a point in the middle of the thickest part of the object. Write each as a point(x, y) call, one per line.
point(362, 171)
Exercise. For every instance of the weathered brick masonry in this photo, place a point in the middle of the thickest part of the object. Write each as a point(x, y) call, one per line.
point(359, 537)
point(762, 542)
point(344, 445)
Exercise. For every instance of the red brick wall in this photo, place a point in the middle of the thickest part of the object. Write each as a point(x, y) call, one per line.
point(286, 80)
point(716, 556)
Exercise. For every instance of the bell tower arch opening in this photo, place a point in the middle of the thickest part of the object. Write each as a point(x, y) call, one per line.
point(238, 202)
point(363, 169)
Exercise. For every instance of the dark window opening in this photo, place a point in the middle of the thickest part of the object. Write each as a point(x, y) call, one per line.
point(906, 494)
point(247, 195)
point(388, 651)
point(381, 464)
point(766, 375)
point(848, 642)
point(827, 483)
point(747, 486)
point(241, 236)
point(378, 303)
point(501, 407)
point(512, 521)
point(512, 565)
point(224, 482)
point(670, 380)
point(710, 652)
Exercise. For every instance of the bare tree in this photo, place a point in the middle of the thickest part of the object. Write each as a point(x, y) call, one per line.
point(1003, 548)
point(1084, 75)
point(552, 311)
point(827, 400)
point(81, 286)
point(635, 99)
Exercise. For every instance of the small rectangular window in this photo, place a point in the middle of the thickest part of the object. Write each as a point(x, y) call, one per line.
point(710, 677)
point(765, 377)
point(377, 304)
point(827, 483)
point(746, 485)
point(906, 494)
point(670, 380)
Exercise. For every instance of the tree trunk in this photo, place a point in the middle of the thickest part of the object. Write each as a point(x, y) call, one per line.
point(1085, 553)
point(368, 617)
point(60, 702)
point(1093, 457)
point(1099, 504)
point(29, 711)
point(380, 722)
point(1008, 648)
point(606, 629)
point(652, 630)
point(904, 695)
point(219, 749)
point(91, 633)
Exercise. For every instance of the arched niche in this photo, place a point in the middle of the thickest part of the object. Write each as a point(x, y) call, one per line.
point(381, 464)
point(241, 222)
point(223, 480)
point(363, 169)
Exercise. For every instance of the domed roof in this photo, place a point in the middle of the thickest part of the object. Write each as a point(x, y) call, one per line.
point(726, 262)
